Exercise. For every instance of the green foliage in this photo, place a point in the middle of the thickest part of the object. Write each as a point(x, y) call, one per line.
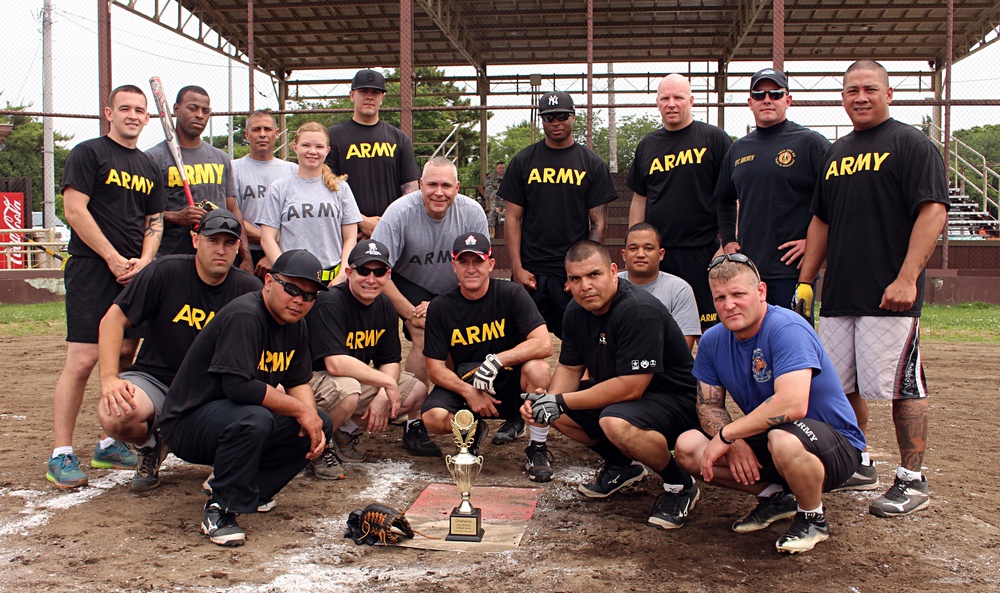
point(22, 153)
point(986, 141)
point(967, 322)
point(32, 320)
point(240, 145)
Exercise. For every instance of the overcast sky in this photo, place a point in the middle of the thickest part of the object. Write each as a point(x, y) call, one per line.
point(142, 49)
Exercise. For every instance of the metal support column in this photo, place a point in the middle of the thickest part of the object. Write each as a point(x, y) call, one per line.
point(949, 53)
point(590, 74)
point(104, 59)
point(406, 67)
point(250, 48)
point(778, 29)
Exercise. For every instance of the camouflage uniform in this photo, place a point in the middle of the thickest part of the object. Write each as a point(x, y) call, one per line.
point(493, 204)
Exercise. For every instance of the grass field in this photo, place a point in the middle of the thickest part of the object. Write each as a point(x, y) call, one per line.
point(969, 322)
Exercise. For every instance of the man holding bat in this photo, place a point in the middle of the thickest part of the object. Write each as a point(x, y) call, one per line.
point(209, 173)
point(114, 201)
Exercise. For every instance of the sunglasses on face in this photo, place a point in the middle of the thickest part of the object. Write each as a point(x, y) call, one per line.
point(774, 95)
point(294, 291)
point(364, 272)
point(734, 257)
point(550, 117)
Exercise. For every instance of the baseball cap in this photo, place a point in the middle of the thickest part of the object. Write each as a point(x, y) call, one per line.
point(368, 79)
point(220, 221)
point(368, 251)
point(477, 243)
point(776, 76)
point(555, 102)
point(299, 263)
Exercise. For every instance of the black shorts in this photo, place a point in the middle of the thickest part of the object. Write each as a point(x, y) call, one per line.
point(508, 388)
point(414, 293)
point(669, 415)
point(691, 264)
point(551, 298)
point(91, 288)
point(840, 458)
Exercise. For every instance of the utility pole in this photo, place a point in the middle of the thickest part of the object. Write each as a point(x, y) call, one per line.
point(48, 148)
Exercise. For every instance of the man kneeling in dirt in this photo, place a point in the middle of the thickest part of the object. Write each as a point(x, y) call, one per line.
point(170, 300)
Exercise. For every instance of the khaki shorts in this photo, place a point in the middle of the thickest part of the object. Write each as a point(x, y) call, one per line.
point(330, 391)
point(878, 357)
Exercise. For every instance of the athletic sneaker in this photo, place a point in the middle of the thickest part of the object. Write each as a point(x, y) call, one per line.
point(864, 478)
point(266, 506)
point(538, 461)
point(117, 456)
point(343, 446)
point(147, 471)
point(482, 431)
point(328, 467)
point(64, 471)
point(510, 431)
point(780, 505)
point(905, 497)
point(418, 442)
point(673, 507)
point(221, 527)
point(807, 530)
point(612, 479)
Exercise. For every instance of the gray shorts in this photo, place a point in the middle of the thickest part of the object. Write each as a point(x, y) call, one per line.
point(153, 387)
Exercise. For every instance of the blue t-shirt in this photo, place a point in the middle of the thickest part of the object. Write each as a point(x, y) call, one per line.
point(785, 343)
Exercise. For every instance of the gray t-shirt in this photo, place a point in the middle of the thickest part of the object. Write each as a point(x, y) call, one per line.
point(419, 246)
point(253, 178)
point(309, 216)
point(677, 296)
point(210, 175)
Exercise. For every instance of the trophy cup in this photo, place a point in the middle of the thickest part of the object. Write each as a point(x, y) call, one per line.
point(465, 523)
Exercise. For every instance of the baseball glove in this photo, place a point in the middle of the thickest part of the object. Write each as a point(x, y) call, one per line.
point(377, 524)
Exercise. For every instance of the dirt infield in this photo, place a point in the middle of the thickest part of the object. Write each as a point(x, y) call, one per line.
point(104, 538)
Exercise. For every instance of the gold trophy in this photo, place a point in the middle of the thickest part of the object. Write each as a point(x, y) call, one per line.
point(465, 523)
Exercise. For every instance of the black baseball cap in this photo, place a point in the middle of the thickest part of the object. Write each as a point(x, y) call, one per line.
point(368, 79)
point(299, 263)
point(772, 74)
point(220, 221)
point(555, 102)
point(368, 251)
point(477, 243)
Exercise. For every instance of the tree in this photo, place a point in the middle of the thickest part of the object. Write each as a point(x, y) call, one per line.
point(986, 141)
point(22, 154)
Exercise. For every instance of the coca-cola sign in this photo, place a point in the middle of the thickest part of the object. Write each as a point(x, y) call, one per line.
point(13, 218)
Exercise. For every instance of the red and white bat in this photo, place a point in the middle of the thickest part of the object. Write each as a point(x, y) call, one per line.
point(160, 99)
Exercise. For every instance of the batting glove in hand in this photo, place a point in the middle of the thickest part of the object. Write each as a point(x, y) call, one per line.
point(545, 407)
point(487, 373)
point(802, 300)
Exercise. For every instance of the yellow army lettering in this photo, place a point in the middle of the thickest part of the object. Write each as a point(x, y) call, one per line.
point(129, 181)
point(849, 165)
point(363, 339)
point(197, 174)
point(562, 175)
point(367, 150)
point(475, 334)
point(707, 317)
point(691, 156)
point(742, 160)
point(194, 317)
point(275, 362)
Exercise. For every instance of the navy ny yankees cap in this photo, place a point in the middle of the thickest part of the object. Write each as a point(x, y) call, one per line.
point(555, 102)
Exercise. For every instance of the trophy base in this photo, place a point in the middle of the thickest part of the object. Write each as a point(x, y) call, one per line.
point(465, 527)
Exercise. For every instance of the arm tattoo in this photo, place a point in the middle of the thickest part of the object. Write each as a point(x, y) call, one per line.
point(776, 420)
point(154, 227)
point(599, 223)
point(712, 412)
point(409, 187)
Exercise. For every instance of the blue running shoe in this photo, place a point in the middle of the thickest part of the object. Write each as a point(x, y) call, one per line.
point(117, 456)
point(64, 471)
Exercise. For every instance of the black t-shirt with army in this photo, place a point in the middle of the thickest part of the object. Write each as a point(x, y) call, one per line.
point(636, 336)
point(170, 305)
point(124, 186)
point(341, 324)
point(677, 172)
point(557, 187)
point(377, 159)
point(772, 173)
point(871, 186)
point(243, 340)
point(468, 330)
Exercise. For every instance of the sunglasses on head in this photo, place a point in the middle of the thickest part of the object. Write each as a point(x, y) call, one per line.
point(364, 272)
point(774, 95)
point(549, 117)
point(734, 257)
point(221, 223)
point(294, 291)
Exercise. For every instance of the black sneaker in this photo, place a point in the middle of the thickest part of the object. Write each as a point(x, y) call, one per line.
point(612, 479)
point(509, 431)
point(147, 472)
point(418, 442)
point(672, 508)
point(864, 478)
point(807, 530)
point(538, 461)
point(780, 505)
point(221, 527)
point(482, 431)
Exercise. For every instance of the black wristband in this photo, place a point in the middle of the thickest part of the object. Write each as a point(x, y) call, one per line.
point(561, 402)
point(722, 437)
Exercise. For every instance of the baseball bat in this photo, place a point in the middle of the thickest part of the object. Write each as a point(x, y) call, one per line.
point(160, 98)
